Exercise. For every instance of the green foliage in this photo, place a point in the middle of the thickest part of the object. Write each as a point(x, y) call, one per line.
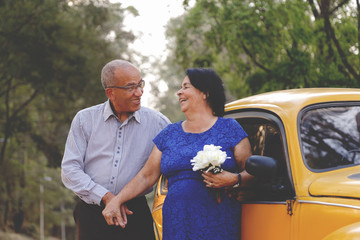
point(167, 102)
point(264, 45)
point(51, 55)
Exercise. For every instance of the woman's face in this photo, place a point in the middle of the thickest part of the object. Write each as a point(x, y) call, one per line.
point(190, 97)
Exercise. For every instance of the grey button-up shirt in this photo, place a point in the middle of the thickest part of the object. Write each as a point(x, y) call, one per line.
point(103, 154)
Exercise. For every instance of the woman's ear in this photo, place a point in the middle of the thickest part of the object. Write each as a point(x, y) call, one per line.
point(205, 96)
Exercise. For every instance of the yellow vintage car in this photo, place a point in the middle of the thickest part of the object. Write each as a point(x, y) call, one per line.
point(313, 190)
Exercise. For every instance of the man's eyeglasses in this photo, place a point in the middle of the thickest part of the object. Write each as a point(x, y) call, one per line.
point(131, 88)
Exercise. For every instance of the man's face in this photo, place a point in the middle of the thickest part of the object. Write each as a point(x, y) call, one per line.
point(125, 101)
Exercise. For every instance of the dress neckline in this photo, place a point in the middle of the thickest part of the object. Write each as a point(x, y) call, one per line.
point(182, 129)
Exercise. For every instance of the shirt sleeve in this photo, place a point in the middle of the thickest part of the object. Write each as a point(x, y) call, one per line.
point(164, 121)
point(160, 139)
point(72, 166)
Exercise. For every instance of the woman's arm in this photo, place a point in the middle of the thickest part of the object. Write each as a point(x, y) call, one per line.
point(242, 152)
point(115, 211)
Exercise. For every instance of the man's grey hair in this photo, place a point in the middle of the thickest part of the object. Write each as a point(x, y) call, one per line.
point(108, 71)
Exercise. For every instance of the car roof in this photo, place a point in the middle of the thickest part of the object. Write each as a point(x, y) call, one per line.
point(293, 100)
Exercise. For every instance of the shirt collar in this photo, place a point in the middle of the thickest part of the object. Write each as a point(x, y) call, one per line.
point(137, 115)
point(108, 112)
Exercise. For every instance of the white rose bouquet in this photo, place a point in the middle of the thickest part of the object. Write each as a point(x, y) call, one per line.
point(209, 159)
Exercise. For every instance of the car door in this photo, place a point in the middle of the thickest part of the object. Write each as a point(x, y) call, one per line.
point(267, 203)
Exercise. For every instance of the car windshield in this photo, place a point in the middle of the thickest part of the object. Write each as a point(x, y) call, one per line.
point(330, 137)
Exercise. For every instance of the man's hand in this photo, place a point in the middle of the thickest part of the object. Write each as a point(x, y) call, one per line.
point(240, 194)
point(107, 198)
point(116, 213)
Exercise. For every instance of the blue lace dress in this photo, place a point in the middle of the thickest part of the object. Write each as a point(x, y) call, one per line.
point(191, 210)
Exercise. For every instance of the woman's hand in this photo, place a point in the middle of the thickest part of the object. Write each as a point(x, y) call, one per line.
point(219, 180)
point(115, 213)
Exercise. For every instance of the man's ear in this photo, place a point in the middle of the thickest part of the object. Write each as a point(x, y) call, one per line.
point(108, 92)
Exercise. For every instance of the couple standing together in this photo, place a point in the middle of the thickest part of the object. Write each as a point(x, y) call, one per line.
point(116, 151)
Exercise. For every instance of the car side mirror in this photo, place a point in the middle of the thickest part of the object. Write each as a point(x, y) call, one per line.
point(261, 166)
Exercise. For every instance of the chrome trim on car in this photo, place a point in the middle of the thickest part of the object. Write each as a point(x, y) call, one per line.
point(264, 202)
point(330, 204)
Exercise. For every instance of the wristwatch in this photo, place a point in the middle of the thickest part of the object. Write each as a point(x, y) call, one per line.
point(239, 181)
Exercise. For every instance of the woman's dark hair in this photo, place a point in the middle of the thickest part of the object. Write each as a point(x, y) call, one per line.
point(208, 82)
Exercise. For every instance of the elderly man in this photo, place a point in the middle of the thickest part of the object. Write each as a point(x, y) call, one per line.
point(106, 147)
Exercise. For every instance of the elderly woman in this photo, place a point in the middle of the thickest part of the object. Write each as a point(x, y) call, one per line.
point(192, 209)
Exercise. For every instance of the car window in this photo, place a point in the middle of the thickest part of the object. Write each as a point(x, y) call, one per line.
point(266, 140)
point(330, 136)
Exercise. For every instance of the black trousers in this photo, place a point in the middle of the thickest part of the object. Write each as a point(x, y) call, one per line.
point(91, 224)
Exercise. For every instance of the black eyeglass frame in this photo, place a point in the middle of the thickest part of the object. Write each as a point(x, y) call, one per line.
point(132, 87)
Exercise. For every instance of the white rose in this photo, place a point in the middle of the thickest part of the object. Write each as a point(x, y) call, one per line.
point(210, 157)
point(200, 161)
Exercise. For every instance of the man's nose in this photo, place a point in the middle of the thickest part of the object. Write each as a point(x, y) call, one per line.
point(139, 91)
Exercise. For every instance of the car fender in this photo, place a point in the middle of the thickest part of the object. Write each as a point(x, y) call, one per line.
point(349, 232)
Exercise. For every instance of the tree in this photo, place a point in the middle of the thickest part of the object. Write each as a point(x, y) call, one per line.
point(51, 54)
point(264, 45)
point(166, 100)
